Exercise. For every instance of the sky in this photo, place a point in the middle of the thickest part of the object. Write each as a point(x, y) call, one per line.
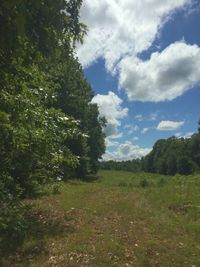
point(142, 59)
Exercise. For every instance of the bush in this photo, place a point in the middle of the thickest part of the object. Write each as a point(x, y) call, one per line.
point(12, 216)
point(12, 226)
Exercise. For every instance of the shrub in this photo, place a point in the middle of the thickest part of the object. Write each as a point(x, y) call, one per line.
point(12, 215)
point(12, 225)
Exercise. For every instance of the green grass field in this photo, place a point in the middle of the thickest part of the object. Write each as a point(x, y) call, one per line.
point(121, 219)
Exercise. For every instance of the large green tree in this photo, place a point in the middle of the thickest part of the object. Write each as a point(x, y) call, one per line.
point(47, 121)
point(74, 95)
point(174, 155)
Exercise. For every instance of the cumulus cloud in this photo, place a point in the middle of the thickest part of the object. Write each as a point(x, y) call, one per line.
point(165, 76)
point(110, 106)
point(115, 136)
point(111, 143)
point(118, 28)
point(119, 31)
point(169, 125)
point(126, 151)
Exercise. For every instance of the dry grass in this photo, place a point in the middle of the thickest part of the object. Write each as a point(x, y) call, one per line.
point(115, 221)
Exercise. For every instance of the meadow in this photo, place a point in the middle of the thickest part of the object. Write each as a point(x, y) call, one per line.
point(120, 219)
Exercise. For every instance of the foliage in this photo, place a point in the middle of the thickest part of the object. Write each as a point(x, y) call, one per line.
point(174, 155)
point(45, 24)
point(12, 220)
point(34, 135)
point(168, 156)
point(47, 121)
point(74, 97)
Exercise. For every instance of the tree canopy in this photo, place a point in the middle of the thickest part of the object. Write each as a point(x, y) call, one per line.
point(49, 129)
point(168, 156)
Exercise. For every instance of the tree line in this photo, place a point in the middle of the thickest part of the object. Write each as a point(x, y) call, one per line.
point(168, 156)
point(174, 155)
point(49, 129)
point(128, 165)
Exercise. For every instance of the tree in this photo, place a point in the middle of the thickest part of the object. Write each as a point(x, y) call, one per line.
point(42, 134)
point(184, 165)
point(96, 137)
point(43, 24)
point(194, 149)
point(74, 97)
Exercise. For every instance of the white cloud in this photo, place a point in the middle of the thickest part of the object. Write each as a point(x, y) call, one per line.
point(185, 136)
point(110, 107)
point(150, 117)
point(111, 143)
point(188, 135)
point(135, 139)
point(169, 125)
point(178, 134)
point(131, 129)
point(118, 28)
point(164, 76)
point(153, 116)
point(139, 117)
point(116, 136)
point(144, 130)
point(126, 151)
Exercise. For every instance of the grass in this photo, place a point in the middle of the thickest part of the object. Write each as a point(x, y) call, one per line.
point(121, 219)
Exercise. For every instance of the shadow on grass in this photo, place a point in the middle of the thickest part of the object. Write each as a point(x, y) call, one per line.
point(91, 178)
point(41, 225)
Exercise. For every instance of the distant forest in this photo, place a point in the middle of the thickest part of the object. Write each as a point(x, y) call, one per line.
point(168, 156)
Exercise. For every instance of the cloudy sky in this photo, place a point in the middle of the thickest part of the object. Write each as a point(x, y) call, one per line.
point(142, 59)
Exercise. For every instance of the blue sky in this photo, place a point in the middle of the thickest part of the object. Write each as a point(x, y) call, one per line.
point(142, 61)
